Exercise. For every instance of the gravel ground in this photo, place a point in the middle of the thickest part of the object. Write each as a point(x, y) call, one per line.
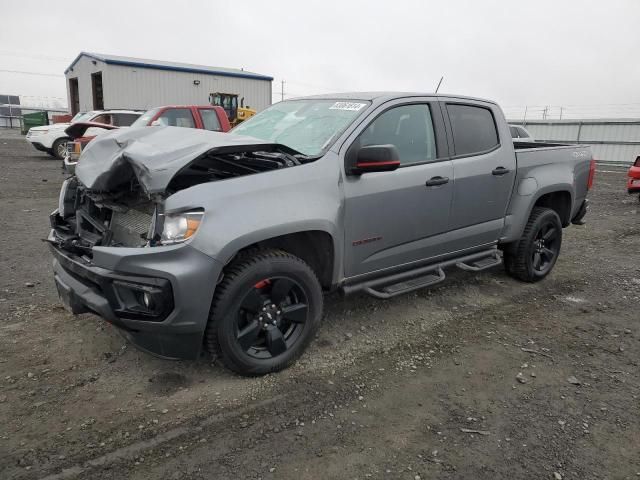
point(481, 377)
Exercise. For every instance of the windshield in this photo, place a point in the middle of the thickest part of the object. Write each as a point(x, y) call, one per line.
point(307, 126)
point(81, 117)
point(145, 118)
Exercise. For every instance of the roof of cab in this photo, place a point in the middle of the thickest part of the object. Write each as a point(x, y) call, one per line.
point(386, 96)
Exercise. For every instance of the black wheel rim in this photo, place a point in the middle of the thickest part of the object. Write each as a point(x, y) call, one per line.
point(271, 317)
point(546, 246)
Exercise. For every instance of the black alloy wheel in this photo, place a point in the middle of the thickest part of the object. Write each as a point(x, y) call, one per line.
point(264, 313)
point(546, 247)
point(533, 256)
point(271, 317)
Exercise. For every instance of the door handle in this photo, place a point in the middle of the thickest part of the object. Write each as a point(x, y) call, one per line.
point(435, 181)
point(499, 171)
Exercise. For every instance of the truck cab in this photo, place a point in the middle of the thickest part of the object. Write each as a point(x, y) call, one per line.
point(183, 238)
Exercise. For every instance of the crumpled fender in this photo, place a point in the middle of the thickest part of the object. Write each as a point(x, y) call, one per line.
point(154, 155)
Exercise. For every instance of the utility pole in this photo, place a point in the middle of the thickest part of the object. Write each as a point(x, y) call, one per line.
point(524, 119)
point(561, 109)
point(282, 90)
point(544, 113)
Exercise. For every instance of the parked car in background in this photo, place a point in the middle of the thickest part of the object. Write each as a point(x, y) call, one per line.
point(53, 138)
point(633, 184)
point(183, 238)
point(203, 117)
point(79, 134)
point(520, 134)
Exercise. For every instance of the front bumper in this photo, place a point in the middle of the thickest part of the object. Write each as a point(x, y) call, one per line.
point(38, 146)
point(180, 272)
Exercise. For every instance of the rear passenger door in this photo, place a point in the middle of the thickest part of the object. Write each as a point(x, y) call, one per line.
point(399, 217)
point(484, 168)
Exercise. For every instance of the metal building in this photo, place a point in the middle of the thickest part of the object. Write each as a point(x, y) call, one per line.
point(611, 140)
point(96, 81)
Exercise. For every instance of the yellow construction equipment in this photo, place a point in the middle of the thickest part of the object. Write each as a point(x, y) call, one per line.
point(229, 102)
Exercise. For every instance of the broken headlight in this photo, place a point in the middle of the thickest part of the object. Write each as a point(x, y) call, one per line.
point(178, 227)
point(66, 200)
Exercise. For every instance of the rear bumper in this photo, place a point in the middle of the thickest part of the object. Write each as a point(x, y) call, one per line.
point(578, 218)
point(183, 280)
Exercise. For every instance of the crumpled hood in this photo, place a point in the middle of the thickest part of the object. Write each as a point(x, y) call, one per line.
point(153, 154)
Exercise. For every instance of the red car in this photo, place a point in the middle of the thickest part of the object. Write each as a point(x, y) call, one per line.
point(205, 117)
point(633, 184)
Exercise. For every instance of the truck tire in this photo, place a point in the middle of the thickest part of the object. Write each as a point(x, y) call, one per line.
point(531, 258)
point(59, 148)
point(264, 313)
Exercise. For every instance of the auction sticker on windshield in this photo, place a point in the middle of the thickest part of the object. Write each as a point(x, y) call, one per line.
point(354, 106)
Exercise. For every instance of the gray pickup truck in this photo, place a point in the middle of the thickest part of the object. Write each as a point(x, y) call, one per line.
point(186, 238)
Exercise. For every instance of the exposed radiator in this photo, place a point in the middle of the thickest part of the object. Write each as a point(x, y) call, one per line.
point(130, 228)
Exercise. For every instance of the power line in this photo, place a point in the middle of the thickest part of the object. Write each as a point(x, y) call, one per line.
point(31, 55)
point(42, 74)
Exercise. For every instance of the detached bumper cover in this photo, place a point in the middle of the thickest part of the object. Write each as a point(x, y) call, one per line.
point(184, 274)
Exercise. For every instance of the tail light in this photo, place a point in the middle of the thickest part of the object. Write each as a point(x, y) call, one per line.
point(592, 173)
point(637, 162)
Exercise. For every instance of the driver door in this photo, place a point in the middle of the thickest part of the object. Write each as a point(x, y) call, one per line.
point(399, 217)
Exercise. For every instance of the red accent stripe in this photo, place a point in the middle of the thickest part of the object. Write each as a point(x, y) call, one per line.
point(592, 173)
point(373, 164)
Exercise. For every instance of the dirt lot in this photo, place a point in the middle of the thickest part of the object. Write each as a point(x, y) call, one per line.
point(391, 389)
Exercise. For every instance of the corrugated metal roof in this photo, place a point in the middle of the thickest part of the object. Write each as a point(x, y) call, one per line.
point(171, 66)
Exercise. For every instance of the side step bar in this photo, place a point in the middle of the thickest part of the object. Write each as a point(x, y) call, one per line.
point(404, 282)
point(481, 264)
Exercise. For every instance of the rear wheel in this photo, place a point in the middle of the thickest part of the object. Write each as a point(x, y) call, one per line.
point(59, 148)
point(265, 313)
point(533, 257)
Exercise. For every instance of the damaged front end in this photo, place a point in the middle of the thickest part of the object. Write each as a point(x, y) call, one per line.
point(117, 198)
point(85, 219)
point(118, 251)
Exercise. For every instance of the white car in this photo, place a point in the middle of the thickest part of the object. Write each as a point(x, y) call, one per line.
point(520, 134)
point(53, 140)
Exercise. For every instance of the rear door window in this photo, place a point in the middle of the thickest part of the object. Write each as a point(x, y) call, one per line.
point(474, 129)
point(177, 117)
point(210, 119)
point(105, 118)
point(409, 128)
point(124, 119)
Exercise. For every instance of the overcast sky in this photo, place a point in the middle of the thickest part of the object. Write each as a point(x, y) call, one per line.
point(575, 53)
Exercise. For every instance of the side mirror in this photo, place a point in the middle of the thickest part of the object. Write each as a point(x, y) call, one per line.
point(376, 158)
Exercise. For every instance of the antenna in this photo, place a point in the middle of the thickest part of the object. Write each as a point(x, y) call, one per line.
point(439, 83)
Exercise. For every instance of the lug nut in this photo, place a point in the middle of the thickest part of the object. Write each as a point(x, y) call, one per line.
point(279, 312)
point(273, 305)
point(264, 309)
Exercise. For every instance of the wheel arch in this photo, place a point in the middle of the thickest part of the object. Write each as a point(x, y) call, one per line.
point(558, 200)
point(316, 246)
point(559, 197)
